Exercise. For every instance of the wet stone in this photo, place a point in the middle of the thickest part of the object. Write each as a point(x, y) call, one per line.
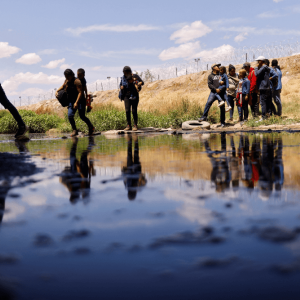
point(43, 240)
point(9, 259)
point(277, 234)
point(76, 234)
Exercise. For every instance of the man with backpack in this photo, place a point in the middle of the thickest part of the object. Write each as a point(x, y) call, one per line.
point(277, 89)
point(273, 85)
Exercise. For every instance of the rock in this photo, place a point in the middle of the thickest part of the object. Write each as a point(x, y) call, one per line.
point(190, 125)
point(43, 240)
point(277, 234)
point(53, 131)
point(113, 132)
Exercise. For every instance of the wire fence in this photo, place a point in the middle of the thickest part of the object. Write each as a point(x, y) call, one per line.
point(172, 70)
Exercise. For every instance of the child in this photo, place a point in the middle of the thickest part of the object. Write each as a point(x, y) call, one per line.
point(242, 96)
point(224, 83)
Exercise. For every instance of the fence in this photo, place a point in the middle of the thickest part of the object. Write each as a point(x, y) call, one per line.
point(173, 70)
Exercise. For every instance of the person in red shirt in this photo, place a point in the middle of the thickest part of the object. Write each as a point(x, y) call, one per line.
point(253, 101)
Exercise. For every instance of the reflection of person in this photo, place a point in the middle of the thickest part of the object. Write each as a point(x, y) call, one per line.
point(133, 178)
point(278, 170)
point(245, 162)
point(77, 177)
point(220, 173)
point(234, 165)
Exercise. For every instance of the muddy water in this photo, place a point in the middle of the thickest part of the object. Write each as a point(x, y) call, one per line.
point(150, 217)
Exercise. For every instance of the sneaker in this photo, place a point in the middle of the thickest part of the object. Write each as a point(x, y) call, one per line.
point(221, 103)
point(21, 131)
point(91, 130)
point(228, 109)
point(222, 125)
point(231, 119)
point(260, 120)
point(134, 128)
point(74, 133)
point(202, 119)
point(128, 127)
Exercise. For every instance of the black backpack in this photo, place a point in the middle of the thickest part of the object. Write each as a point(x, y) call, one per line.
point(62, 97)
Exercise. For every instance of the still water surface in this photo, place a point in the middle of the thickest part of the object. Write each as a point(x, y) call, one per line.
point(151, 217)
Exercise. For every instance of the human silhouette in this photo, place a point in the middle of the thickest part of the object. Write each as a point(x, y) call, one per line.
point(132, 175)
point(77, 177)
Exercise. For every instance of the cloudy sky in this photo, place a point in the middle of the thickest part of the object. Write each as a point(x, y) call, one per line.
point(39, 39)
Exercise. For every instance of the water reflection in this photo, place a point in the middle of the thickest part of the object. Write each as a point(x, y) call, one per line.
point(258, 164)
point(134, 179)
point(77, 177)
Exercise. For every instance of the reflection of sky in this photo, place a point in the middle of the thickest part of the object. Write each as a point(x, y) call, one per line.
point(167, 205)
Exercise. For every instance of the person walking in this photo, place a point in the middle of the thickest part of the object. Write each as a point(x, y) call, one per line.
point(23, 129)
point(262, 73)
point(130, 87)
point(276, 92)
point(214, 84)
point(76, 99)
point(253, 97)
point(231, 92)
point(242, 96)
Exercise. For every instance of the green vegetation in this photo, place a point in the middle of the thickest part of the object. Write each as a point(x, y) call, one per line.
point(103, 118)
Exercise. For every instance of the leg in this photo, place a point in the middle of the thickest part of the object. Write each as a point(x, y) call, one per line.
point(7, 105)
point(227, 100)
point(135, 104)
point(254, 106)
point(222, 115)
point(240, 110)
point(231, 102)
point(211, 99)
point(245, 109)
point(270, 104)
point(83, 117)
point(127, 103)
point(277, 100)
point(263, 103)
point(71, 114)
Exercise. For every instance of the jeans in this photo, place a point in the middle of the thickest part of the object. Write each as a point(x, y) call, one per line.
point(277, 99)
point(131, 105)
point(231, 103)
point(7, 105)
point(81, 111)
point(255, 105)
point(243, 111)
point(211, 99)
point(264, 102)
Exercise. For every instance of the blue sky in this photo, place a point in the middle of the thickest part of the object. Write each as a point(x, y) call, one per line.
point(39, 39)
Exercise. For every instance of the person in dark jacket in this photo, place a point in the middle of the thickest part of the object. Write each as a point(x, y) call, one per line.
point(262, 73)
point(130, 87)
point(214, 84)
point(276, 91)
point(273, 84)
point(8, 105)
point(77, 100)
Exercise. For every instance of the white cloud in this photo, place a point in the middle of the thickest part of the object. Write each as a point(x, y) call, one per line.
point(65, 66)
point(240, 37)
point(13, 82)
point(29, 59)
point(96, 68)
point(270, 14)
point(190, 32)
point(216, 54)
point(6, 50)
point(183, 51)
point(48, 51)
point(54, 64)
point(111, 28)
point(277, 1)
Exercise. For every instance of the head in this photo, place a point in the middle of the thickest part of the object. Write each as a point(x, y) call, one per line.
point(247, 67)
point(215, 68)
point(267, 62)
point(127, 72)
point(242, 73)
point(223, 70)
point(80, 73)
point(261, 61)
point(275, 63)
point(69, 74)
point(232, 70)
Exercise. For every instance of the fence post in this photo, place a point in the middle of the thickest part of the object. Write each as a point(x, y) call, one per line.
point(158, 77)
point(207, 67)
point(186, 71)
point(102, 86)
point(96, 86)
point(176, 71)
point(246, 57)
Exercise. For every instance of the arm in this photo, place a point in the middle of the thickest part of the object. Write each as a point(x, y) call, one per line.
point(210, 84)
point(85, 90)
point(252, 79)
point(262, 70)
point(59, 89)
point(139, 79)
point(273, 74)
point(226, 82)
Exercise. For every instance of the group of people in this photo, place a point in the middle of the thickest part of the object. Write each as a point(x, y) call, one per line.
point(250, 86)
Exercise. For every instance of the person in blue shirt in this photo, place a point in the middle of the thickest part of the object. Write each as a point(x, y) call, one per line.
point(243, 92)
point(273, 84)
point(276, 91)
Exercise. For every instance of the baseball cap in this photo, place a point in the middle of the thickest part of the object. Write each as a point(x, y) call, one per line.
point(247, 65)
point(215, 65)
point(260, 58)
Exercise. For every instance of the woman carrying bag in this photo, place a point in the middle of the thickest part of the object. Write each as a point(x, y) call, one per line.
point(75, 100)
